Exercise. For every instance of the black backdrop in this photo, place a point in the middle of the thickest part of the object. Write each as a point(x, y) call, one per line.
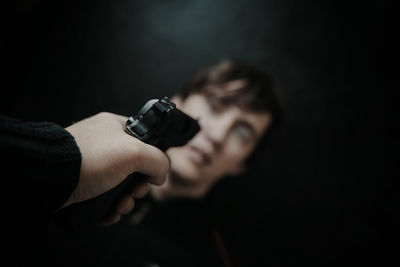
point(320, 195)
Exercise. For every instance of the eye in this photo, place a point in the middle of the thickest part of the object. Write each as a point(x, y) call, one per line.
point(243, 133)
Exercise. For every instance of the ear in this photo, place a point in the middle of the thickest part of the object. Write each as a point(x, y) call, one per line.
point(177, 100)
point(237, 169)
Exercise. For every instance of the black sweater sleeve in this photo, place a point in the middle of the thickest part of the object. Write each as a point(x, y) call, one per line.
point(39, 165)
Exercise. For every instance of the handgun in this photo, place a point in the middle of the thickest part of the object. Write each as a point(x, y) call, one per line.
point(158, 123)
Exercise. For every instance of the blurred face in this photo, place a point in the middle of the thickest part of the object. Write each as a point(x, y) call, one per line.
point(228, 135)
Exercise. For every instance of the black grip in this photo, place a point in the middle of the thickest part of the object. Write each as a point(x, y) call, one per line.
point(155, 125)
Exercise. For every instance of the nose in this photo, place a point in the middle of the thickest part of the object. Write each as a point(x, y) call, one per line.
point(216, 129)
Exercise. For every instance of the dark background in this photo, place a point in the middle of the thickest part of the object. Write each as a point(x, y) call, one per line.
point(322, 195)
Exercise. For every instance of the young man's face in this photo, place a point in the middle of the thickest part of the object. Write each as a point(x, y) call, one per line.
point(228, 135)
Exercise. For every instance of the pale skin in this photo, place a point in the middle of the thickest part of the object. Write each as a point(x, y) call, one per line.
point(227, 137)
point(109, 155)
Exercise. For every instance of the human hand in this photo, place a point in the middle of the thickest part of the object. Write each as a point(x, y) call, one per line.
point(109, 155)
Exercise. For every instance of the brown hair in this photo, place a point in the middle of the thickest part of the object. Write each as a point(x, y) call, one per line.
point(259, 92)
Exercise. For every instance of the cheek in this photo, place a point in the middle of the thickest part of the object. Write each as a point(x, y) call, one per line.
point(232, 157)
point(226, 163)
point(236, 151)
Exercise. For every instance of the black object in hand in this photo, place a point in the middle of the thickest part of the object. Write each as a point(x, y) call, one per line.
point(158, 123)
point(161, 124)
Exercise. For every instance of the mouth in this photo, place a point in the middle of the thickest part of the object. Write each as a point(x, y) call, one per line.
point(198, 156)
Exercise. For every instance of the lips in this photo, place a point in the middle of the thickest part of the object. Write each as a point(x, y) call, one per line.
point(198, 155)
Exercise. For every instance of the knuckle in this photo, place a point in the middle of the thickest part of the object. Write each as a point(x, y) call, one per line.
point(165, 167)
point(103, 114)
